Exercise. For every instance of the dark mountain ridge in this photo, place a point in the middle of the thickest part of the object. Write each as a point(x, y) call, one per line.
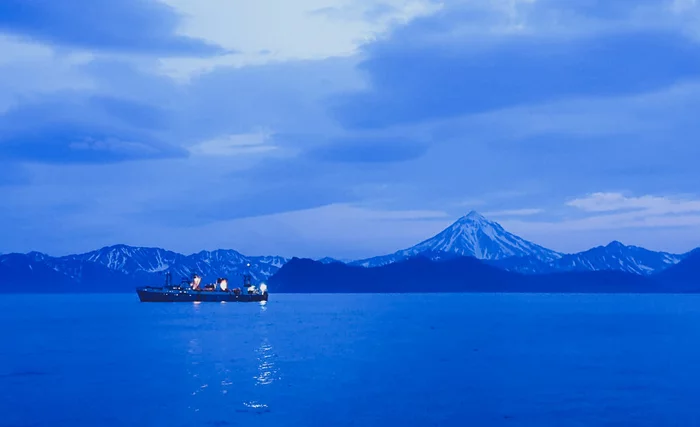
point(462, 274)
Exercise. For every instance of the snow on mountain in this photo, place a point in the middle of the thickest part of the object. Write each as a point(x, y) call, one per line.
point(329, 260)
point(613, 257)
point(471, 235)
point(147, 265)
point(121, 267)
point(616, 256)
point(130, 259)
point(229, 263)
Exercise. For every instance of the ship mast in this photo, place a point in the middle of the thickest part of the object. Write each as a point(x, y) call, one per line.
point(247, 279)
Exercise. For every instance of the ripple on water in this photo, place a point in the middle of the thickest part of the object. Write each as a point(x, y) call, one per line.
point(254, 407)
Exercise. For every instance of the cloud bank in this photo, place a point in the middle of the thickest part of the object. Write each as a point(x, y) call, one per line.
point(163, 122)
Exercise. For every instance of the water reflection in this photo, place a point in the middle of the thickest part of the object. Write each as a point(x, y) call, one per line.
point(225, 365)
point(225, 383)
point(256, 406)
point(267, 371)
point(194, 349)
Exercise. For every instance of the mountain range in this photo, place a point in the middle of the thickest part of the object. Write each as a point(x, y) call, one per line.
point(121, 268)
point(468, 274)
point(475, 236)
point(471, 239)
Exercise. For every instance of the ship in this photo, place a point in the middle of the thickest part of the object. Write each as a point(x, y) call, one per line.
point(192, 291)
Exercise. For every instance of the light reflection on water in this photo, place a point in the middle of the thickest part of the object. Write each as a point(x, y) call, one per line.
point(267, 372)
point(255, 405)
point(227, 364)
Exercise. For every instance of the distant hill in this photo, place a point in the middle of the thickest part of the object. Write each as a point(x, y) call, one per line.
point(25, 273)
point(685, 274)
point(462, 274)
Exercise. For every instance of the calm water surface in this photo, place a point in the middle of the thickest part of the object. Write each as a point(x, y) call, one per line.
point(352, 360)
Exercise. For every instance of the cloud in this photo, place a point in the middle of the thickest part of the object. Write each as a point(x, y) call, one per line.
point(413, 82)
point(31, 69)
point(670, 223)
point(377, 12)
point(284, 97)
point(611, 222)
point(648, 204)
point(367, 149)
point(340, 230)
point(127, 102)
point(67, 143)
point(76, 128)
point(131, 112)
point(239, 203)
point(232, 145)
point(479, 56)
point(503, 104)
point(134, 26)
point(513, 212)
point(281, 30)
point(666, 223)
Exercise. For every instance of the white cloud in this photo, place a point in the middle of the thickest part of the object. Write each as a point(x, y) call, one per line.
point(513, 212)
point(648, 204)
point(687, 16)
point(669, 223)
point(569, 19)
point(620, 221)
point(280, 30)
point(232, 145)
point(28, 69)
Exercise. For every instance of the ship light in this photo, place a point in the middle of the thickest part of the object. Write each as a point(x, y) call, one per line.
point(195, 282)
point(263, 287)
point(223, 285)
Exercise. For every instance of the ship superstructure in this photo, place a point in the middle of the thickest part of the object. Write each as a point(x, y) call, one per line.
point(192, 290)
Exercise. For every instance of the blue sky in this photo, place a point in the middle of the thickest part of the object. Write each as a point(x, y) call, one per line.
point(347, 128)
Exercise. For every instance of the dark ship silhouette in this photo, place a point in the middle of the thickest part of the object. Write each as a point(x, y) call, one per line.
point(192, 291)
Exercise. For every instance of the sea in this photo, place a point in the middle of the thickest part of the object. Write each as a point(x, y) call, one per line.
point(351, 360)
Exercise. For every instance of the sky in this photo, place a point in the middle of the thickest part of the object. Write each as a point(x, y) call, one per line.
point(347, 128)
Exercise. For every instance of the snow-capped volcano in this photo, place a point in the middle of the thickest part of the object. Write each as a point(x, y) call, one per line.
point(471, 235)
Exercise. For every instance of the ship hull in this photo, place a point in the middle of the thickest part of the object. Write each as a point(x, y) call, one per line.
point(167, 295)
